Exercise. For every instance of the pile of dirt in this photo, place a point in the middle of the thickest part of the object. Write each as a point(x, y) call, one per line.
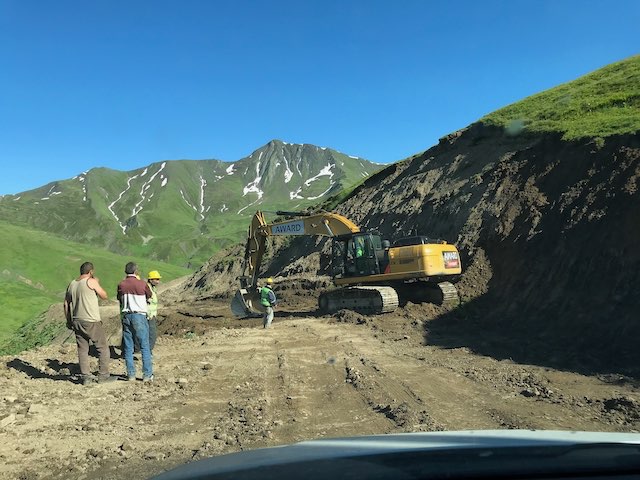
point(547, 229)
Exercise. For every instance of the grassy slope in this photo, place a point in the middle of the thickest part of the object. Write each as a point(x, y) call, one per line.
point(603, 103)
point(16, 311)
point(36, 268)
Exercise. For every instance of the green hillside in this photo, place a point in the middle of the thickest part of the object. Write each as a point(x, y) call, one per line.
point(36, 268)
point(183, 211)
point(603, 103)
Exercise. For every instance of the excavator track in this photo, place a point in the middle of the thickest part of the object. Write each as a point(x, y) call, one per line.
point(443, 293)
point(364, 299)
point(449, 293)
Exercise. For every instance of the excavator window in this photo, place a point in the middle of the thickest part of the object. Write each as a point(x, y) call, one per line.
point(415, 240)
point(340, 259)
point(357, 255)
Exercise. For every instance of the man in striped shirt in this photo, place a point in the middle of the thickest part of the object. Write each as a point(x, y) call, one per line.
point(133, 295)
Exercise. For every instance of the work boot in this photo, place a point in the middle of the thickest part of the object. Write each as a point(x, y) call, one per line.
point(88, 379)
point(106, 379)
point(148, 379)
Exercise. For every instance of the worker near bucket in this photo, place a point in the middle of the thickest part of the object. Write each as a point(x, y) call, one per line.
point(268, 300)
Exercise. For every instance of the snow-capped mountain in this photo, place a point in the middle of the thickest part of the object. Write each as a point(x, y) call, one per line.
point(183, 210)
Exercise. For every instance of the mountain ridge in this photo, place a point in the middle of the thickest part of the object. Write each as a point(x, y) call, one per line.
point(182, 211)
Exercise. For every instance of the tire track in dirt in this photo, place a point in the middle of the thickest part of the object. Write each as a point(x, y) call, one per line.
point(313, 391)
point(407, 393)
point(274, 387)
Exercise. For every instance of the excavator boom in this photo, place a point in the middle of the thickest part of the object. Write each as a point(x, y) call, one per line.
point(246, 301)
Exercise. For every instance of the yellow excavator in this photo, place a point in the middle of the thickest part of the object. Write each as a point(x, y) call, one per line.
point(372, 275)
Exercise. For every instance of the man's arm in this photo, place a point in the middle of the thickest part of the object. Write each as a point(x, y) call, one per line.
point(67, 309)
point(94, 285)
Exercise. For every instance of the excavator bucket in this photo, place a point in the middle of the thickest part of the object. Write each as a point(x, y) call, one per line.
point(246, 304)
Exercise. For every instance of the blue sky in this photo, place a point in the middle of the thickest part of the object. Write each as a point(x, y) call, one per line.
point(122, 84)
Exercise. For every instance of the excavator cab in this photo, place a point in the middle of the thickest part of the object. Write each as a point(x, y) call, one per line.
point(357, 254)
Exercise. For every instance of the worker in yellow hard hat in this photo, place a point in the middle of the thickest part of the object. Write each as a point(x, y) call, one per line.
point(153, 279)
point(268, 301)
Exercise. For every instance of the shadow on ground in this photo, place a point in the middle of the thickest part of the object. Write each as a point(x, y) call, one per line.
point(577, 342)
point(34, 372)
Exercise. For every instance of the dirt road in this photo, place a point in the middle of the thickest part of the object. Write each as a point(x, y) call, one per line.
point(230, 385)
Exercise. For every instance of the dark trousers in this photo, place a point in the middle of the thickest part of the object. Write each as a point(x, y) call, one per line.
point(153, 331)
point(91, 331)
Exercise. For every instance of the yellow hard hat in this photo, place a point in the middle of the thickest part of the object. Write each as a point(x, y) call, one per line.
point(154, 275)
point(269, 280)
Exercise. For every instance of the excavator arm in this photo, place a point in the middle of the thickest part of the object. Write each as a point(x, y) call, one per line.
point(246, 301)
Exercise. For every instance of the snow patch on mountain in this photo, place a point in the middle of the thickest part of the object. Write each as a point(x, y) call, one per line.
point(323, 193)
point(326, 171)
point(111, 205)
point(296, 194)
point(187, 201)
point(247, 206)
point(230, 170)
point(81, 179)
point(288, 174)
point(203, 183)
point(159, 170)
point(52, 191)
point(145, 186)
point(252, 187)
